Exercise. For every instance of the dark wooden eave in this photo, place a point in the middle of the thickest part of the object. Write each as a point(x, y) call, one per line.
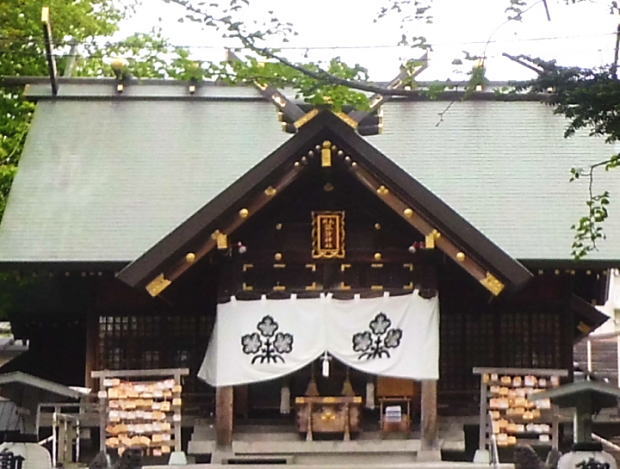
point(588, 318)
point(424, 211)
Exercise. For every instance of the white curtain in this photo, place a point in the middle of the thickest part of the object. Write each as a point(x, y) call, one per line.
point(264, 339)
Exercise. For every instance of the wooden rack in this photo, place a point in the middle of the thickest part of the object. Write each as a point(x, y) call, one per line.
point(514, 419)
point(140, 408)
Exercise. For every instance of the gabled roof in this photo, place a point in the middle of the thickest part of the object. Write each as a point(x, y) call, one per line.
point(166, 260)
point(105, 176)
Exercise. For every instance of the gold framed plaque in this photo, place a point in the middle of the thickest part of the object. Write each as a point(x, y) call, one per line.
point(328, 235)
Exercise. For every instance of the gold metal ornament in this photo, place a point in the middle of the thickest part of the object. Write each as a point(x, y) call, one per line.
point(326, 154)
point(492, 283)
point(306, 118)
point(157, 285)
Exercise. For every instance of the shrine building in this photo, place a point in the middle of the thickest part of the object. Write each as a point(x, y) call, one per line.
point(334, 274)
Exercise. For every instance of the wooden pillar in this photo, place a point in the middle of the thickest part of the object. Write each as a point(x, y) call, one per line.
point(92, 342)
point(224, 415)
point(429, 446)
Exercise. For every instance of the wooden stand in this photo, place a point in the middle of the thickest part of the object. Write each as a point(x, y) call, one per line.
point(396, 391)
point(136, 410)
point(404, 425)
point(504, 391)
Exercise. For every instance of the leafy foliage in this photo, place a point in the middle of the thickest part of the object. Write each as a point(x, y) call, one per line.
point(311, 90)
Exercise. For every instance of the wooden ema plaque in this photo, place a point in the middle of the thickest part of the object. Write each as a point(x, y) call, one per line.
point(328, 235)
point(506, 412)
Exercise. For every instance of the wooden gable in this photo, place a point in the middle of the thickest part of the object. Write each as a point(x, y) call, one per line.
point(326, 142)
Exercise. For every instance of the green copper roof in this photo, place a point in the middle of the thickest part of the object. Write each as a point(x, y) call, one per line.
point(104, 177)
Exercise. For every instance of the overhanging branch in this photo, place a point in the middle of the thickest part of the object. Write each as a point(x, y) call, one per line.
point(319, 74)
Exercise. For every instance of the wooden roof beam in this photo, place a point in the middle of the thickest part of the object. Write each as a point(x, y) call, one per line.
point(218, 237)
point(434, 237)
point(377, 100)
point(291, 110)
point(49, 52)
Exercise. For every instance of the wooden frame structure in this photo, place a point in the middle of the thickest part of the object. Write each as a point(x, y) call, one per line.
point(114, 376)
point(505, 377)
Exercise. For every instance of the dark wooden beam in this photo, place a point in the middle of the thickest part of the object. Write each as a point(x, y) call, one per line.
point(434, 238)
point(291, 110)
point(201, 224)
point(51, 61)
point(194, 253)
point(92, 338)
point(448, 222)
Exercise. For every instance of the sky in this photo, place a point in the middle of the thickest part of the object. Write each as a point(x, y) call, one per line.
point(582, 34)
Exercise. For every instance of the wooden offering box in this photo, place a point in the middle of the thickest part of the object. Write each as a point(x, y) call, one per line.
point(328, 414)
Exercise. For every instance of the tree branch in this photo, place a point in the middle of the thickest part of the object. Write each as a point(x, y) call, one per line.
point(325, 76)
point(320, 74)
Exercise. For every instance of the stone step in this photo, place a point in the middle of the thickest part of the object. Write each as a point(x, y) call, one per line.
point(326, 446)
point(409, 465)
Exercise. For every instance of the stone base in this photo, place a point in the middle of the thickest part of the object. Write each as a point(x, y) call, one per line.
point(177, 458)
point(428, 455)
point(482, 456)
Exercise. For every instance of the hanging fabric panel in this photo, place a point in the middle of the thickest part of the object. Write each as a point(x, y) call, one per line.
point(264, 339)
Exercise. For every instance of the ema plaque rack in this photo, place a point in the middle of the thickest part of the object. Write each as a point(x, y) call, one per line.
point(141, 409)
point(507, 413)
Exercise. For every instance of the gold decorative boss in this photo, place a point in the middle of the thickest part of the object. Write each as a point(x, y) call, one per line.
point(328, 235)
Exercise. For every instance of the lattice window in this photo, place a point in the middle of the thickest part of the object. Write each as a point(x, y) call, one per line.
point(154, 341)
point(531, 340)
point(516, 339)
point(451, 366)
